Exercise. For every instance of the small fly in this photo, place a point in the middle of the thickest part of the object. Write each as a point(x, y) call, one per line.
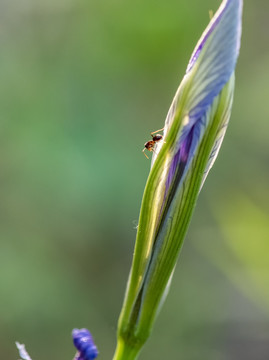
point(149, 145)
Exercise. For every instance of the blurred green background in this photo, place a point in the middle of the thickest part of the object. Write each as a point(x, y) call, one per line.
point(83, 83)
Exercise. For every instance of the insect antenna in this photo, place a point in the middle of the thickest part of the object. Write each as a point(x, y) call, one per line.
point(143, 151)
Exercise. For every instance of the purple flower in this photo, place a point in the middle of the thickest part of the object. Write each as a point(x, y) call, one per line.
point(193, 133)
point(84, 343)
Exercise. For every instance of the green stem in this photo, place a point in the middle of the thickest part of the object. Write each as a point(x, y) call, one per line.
point(125, 351)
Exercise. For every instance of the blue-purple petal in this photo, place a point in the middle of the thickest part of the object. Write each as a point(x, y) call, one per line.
point(212, 63)
point(218, 51)
point(225, 7)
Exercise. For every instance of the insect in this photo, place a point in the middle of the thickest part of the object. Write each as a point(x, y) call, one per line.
point(83, 341)
point(149, 145)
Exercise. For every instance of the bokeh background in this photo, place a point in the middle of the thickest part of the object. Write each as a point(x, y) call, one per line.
point(83, 83)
